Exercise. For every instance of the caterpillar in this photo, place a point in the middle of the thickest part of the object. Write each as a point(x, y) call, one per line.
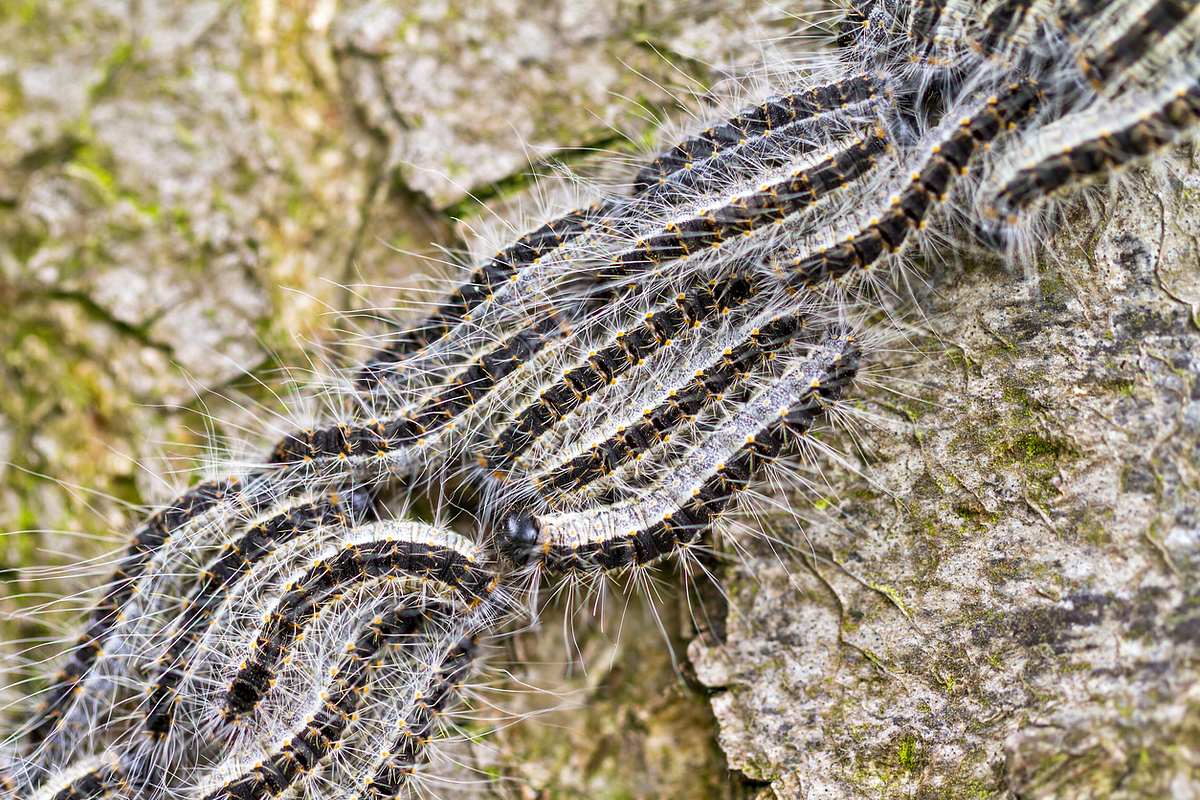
point(109, 609)
point(748, 213)
point(689, 309)
point(657, 423)
point(216, 580)
point(1087, 157)
point(382, 551)
point(301, 751)
point(398, 763)
point(644, 530)
point(479, 287)
point(1134, 41)
point(887, 234)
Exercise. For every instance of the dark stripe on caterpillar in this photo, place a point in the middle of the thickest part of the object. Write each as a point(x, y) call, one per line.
point(1136, 41)
point(658, 423)
point(924, 19)
point(95, 783)
point(678, 513)
point(323, 730)
point(478, 288)
point(1101, 154)
point(690, 309)
point(751, 212)
point(1001, 22)
point(379, 438)
point(765, 119)
point(107, 612)
point(405, 550)
point(399, 762)
point(887, 234)
point(220, 575)
point(854, 23)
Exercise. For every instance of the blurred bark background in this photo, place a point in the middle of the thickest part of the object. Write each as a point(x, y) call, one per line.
point(1008, 608)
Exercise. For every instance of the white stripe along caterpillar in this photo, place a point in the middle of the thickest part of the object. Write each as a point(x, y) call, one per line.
point(656, 425)
point(216, 580)
point(643, 530)
point(386, 551)
point(400, 760)
point(690, 309)
point(751, 212)
point(887, 234)
point(322, 730)
point(1102, 153)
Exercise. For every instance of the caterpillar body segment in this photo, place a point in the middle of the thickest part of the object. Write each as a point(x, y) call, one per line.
point(323, 730)
point(689, 309)
point(414, 731)
point(888, 233)
point(657, 425)
point(217, 580)
point(770, 119)
point(381, 552)
point(480, 287)
point(672, 516)
point(1110, 149)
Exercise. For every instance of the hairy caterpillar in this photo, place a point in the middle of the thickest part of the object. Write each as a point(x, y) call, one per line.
point(656, 424)
point(378, 553)
point(689, 309)
point(766, 188)
point(1086, 157)
point(645, 529)
point(398, 763)
point(214, 585)
point(301, 751)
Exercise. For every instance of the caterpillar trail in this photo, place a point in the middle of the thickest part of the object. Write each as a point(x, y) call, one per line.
point(217, 580)
point(593, 397)
point(382, 552)
point(644, 530)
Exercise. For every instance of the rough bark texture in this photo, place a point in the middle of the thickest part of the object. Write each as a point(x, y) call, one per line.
point(1008, 607)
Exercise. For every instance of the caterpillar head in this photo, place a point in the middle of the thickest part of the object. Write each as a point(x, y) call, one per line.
point(520, 538)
